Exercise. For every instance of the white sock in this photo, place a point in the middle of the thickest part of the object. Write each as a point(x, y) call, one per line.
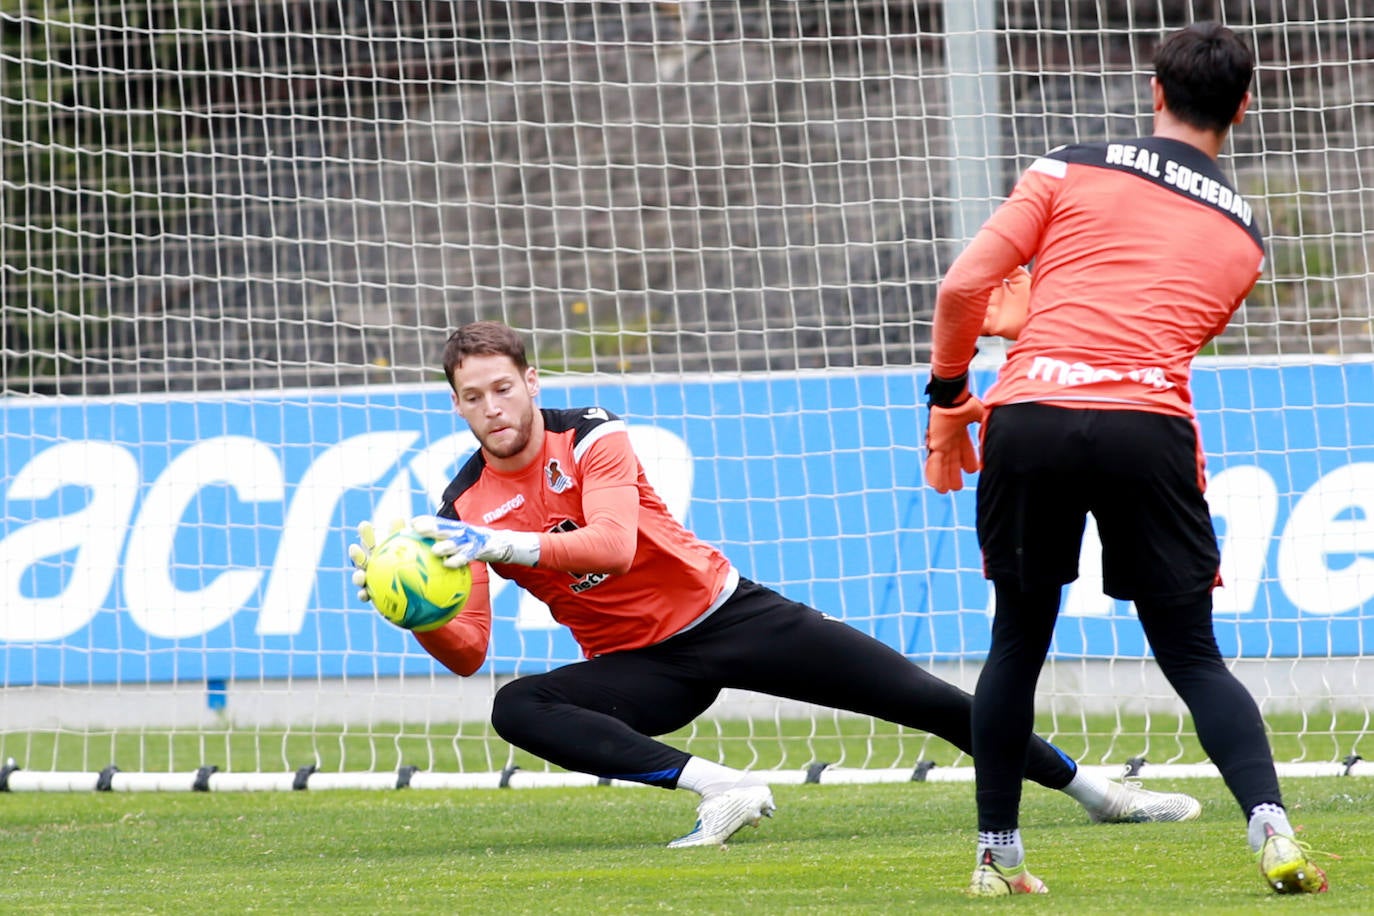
point(706, 778)
point(1273, 815)
point(1006, 847)
point(1088, 790)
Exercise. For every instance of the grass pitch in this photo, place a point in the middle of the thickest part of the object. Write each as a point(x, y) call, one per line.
point(830, 849)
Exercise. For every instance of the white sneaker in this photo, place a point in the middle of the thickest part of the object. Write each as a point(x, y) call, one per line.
point(1128, 803)
point(721, 816)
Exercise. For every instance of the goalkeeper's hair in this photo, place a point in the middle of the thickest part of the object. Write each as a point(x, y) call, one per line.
point(483, 338)
point(1205, 71)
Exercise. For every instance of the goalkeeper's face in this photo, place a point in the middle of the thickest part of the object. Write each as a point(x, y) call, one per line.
point(497, 401)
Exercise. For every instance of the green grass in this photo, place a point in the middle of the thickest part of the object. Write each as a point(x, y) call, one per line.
point(830, 849)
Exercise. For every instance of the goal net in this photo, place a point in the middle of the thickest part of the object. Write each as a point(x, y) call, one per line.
point(236, 235)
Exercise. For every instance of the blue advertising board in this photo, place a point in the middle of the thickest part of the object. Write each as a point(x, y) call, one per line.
point(165, 539)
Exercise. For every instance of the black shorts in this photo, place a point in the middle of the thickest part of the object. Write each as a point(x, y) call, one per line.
point(1045, 468)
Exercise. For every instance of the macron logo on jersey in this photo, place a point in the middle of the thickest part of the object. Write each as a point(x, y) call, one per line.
point(596, 413)
point(506, 508)
point(1058, 372)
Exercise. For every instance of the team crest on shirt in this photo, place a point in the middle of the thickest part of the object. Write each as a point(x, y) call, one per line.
point(557, 480)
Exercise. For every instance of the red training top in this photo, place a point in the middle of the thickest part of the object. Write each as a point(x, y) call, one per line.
point(1142, 251)
point(615, 567)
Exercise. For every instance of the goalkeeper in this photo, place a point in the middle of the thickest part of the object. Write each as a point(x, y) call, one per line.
point(664, 620)
point(1141, 253)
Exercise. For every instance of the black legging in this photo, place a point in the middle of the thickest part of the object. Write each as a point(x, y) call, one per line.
point(596, 716)
point(1225, 716)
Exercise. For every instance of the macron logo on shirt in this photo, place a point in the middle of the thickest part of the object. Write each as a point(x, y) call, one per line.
point(506, 508)
point(1058, 372)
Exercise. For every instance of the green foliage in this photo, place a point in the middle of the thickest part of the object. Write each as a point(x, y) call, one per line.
point(830, 849)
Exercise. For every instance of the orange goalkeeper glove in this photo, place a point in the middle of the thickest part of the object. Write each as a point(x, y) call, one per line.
point(1008, 305)
point(950, 452)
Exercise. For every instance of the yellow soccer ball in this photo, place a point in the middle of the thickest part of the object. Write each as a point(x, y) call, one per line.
point(411, 587)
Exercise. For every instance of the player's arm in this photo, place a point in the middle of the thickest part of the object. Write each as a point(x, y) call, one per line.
point(607, 541)
point(1009, 239)
point(965, 294)
point(604, 543)
point(461, 644)
point(960, 312)
point(985, 290)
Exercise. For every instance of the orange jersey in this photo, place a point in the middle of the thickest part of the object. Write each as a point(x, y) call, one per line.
point(674, 577)
point(1142, 251)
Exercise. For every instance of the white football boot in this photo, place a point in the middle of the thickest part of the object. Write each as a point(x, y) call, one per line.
point(1128, 803)
point(724, 814)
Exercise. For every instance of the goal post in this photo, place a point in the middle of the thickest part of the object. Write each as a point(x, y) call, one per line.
point(235, 237)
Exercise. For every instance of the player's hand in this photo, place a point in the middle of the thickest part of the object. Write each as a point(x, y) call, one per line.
point(1008, 305)
point(950, 452)
point(949, 444)
point(460, 543)
point(361, 552)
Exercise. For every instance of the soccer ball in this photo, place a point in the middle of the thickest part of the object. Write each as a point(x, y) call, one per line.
point(412, 587)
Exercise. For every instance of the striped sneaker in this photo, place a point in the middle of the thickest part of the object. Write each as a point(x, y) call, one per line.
point(1285, 864)
point(723, 815)
point(1128, 803)
point(993, 880)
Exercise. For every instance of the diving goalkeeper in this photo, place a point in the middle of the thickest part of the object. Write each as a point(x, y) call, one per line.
point(664, 620)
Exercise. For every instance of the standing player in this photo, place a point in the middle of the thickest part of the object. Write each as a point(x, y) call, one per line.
point(664, 619)
point(1142, 251)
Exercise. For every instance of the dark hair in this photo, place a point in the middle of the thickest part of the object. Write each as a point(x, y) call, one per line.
point(1205, 71)
point(483, 338)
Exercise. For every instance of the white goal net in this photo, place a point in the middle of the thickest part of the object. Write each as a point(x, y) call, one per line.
point(236, 234)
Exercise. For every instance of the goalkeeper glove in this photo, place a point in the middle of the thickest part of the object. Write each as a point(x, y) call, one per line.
point(1008, 305)
point(460, 543)
point(949, 446)
point(362, 552)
